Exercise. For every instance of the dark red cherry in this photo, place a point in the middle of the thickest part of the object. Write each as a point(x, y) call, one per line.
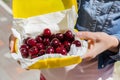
point(24, 46)
point(24, 52)
point(33, 51)
point(61, 50)
point(25, 40)
point(46, 41)
point(68, 35)
point(34, 56)
point(41, 52)
point(55, 42)
point(60, 36)
point(39, 39)
point(46, 32)
point(67, 45)
point(52, 37)
point(40, 46)
point(77, 43)
point(31, 42)
point(50, 50)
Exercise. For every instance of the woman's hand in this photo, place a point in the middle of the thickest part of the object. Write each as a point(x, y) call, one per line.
point(11, 43)
point(98, 43)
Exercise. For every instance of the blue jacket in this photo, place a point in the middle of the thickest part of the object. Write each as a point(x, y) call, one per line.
point(101, 16)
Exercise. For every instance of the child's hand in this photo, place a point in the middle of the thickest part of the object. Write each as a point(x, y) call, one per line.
point(98, 43)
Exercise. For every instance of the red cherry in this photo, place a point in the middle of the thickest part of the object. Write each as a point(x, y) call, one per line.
point(55, 42)
point(50, 50)
point(61, 50)
point(46, 32)
point(24, 52)
point(46, 41)
point(33, 51)
point(24, 46)
point(60, 36)
point(52, 37)
point(77, 43)
point(39, 39)
point(34, 56)
point(68, 35)
point(41, 52)
point(40, 46)
point(25, 40)
point(67, 45)
point(31, 42)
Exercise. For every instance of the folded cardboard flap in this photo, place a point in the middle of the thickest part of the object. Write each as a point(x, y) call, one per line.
point(29, 8)
point(55, 62)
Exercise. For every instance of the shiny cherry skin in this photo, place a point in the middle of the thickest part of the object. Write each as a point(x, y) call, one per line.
point(47, 32)
point(50, 50)
point(60, 36)
point(52, 37)
point(39, 39)
point(41, 52)
point(31, 42)
point(33, 51)
point(61, 50)
point(68, 35)
point(24, 52)
point(55, 42)
point(40, 46)
point(77, 43)
point(46, 41)
point(24, 46)
point(67, 45)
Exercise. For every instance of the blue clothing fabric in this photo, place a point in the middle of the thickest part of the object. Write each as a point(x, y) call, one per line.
point(100, 16)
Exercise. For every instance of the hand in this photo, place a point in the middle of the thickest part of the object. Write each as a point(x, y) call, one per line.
point(98, 43)
point(11, 43)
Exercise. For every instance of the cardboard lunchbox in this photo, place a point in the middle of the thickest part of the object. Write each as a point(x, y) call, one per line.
point(58, 19)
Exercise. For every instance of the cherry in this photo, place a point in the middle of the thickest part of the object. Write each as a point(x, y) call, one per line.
point(24, 46)
point(31, 42)
point(55, 42)
point(46, 32)
point(77, 43)
point(39, 39)
point(41, 52)
point(46, 41)
point(52, 37)
point(67, 45)
point(33, 51)
point(34, 56)
point(68, 35)
point(50, 50)
point(60, 36)
point(40, 46)
point(24, 52)
point(61, 50)
point(25, 40)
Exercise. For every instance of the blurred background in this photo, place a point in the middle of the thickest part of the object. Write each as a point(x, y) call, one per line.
point(9, 68)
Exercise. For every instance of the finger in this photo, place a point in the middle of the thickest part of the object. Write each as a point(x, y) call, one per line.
point(12, 46)
point(86, 35)
point(94, 51)
point(11, 43)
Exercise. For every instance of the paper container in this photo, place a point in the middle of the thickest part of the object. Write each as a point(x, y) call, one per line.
point(56, 22)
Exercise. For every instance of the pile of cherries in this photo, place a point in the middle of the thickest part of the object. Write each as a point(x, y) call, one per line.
point(48, 43)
